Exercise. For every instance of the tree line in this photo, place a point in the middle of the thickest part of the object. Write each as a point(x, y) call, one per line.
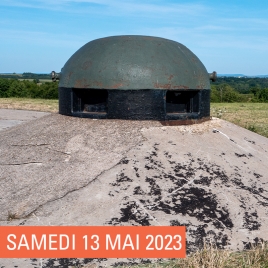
point(224, 90)
point(28, 89)
point(243, 85)
point(27, 75)
point(244, 89)
point(226, 93)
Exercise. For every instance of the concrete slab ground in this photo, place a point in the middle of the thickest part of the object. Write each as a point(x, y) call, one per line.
point(211, 177)
point(10, 118)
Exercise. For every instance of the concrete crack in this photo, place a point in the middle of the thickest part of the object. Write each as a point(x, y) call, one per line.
point(20, 164)
point(41, 144)
point(30, 144)
point(28, 214)
point(242, 148)
point(68, 153)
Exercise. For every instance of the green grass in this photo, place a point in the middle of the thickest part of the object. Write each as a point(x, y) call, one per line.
point(252, 116)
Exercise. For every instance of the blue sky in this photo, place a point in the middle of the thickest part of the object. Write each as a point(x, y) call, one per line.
point(40, 35)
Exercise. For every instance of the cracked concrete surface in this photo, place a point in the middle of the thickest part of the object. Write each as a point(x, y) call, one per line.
point(211, 177)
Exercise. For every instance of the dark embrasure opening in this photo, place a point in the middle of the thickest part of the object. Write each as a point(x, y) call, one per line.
point(90, 101)
point(182, 101)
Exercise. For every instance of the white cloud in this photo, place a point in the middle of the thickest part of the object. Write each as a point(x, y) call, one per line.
point(41, 38)
point(115, 7)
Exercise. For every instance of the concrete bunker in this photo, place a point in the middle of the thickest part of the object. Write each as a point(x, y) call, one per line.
point(135, 77)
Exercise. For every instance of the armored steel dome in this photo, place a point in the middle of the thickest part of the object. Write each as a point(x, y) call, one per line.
point(134, 77)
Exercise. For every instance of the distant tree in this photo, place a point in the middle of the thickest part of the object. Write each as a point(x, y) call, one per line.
point(49, 90)
point(4, 87)
point(223, 93)
point(18, 89)
point(263, 95)
point(257, 94)
point(32, 88)
point(214, 94)
point(229, 94)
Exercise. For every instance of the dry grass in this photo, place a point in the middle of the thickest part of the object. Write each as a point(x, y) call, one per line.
point(30, 104)
point(253, 116)
point(211, 257)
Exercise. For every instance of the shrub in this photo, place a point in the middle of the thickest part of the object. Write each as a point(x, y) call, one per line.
point(27, 89)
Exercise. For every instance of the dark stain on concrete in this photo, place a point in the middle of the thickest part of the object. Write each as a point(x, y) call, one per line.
point(183, 190)
point(251, 221)
point(65, 263)
point(130, 212)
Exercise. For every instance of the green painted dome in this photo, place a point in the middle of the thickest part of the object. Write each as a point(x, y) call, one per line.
point(134, 62)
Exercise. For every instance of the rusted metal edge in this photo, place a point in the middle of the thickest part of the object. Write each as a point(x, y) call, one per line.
point(184, 122)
